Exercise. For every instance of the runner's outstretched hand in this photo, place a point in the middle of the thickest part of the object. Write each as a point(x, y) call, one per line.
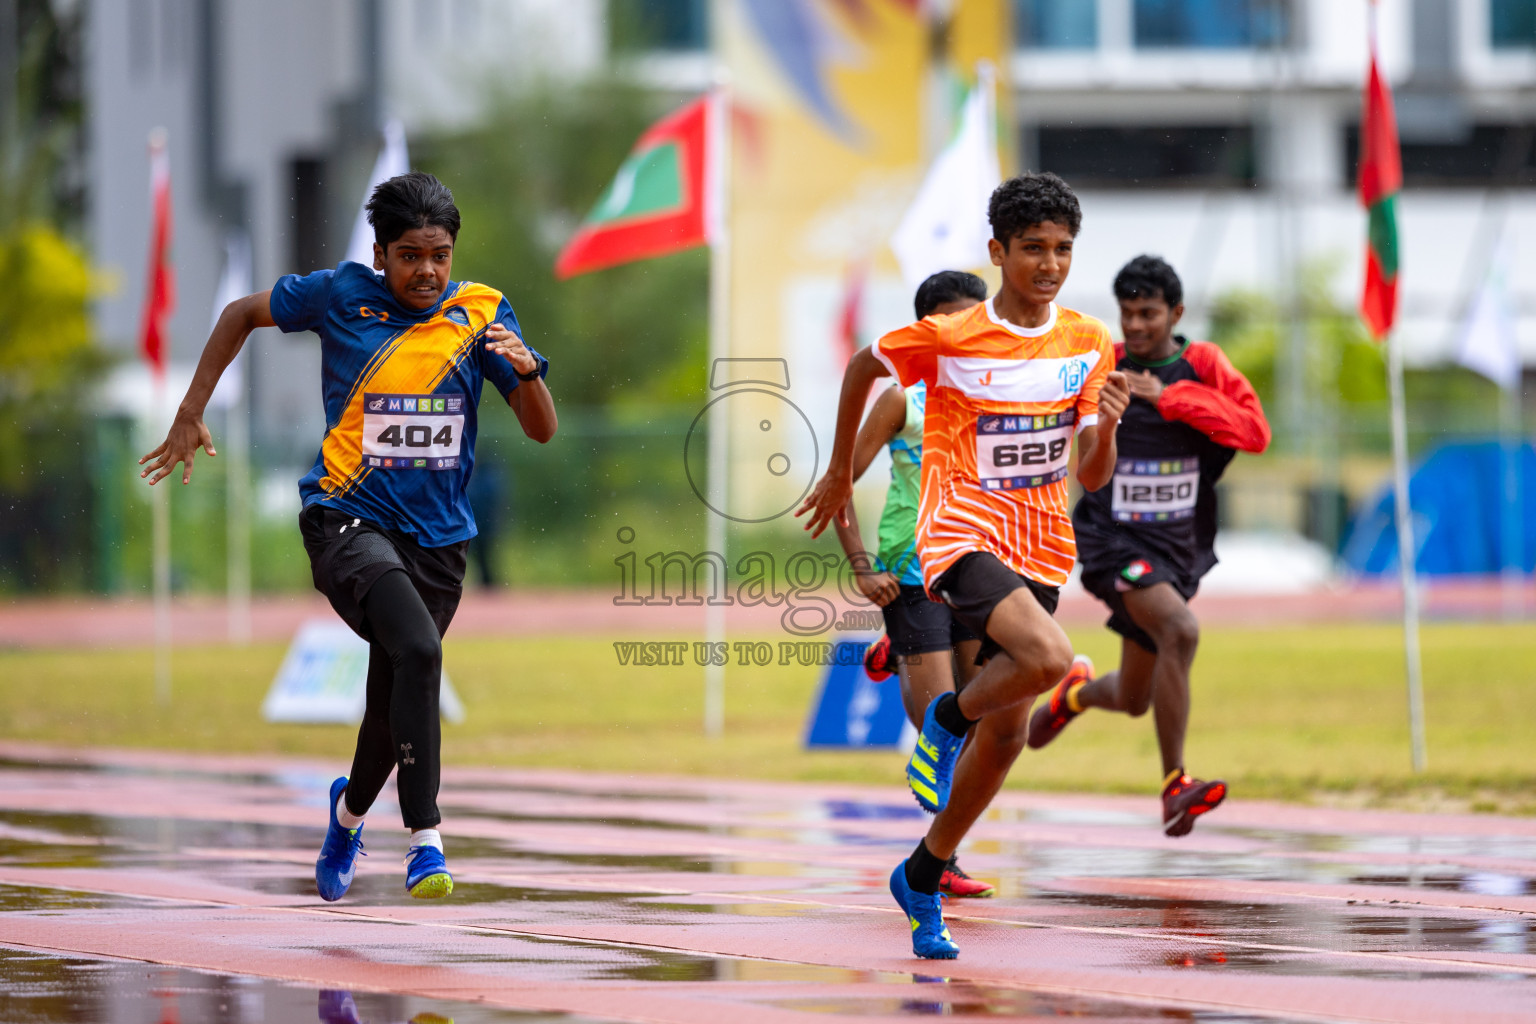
point(828, 498)
point(507, 344)
point(188, 433)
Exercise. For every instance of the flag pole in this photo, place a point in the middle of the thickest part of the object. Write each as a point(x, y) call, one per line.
point(237, 520)
point(160, 502)
point(1381, 178)
point(155, 346)
point(1407, 551)
point(717, 199)
point(236, 283)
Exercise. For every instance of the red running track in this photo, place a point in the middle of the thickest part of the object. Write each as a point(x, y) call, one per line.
point(102, 622)
point(139, 883)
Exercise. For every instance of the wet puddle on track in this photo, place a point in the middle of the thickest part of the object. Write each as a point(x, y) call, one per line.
point(708, 901)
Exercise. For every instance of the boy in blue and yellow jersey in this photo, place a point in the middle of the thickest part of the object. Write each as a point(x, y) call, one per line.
point(385, 519)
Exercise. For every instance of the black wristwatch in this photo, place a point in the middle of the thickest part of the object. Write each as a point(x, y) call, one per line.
point(538, 371)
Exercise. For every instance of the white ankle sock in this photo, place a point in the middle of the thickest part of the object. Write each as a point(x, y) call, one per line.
point(427, 837)
point(346, 818)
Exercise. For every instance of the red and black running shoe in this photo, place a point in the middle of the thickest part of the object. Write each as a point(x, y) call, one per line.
point(957, 883)
point(1185, 799)
point(1052, 716)
point(879, 660)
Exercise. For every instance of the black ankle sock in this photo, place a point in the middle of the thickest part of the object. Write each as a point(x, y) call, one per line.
point(924, 870)
point(949, 715)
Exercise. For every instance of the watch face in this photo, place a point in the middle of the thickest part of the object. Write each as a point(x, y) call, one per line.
point(772, 457)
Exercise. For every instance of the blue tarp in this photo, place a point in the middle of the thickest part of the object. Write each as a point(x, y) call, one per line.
point(1457, 496)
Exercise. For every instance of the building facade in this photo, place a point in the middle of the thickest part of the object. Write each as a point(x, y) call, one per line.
point(1221, 134)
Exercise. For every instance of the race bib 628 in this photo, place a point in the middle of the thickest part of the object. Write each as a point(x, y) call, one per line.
point(1023, 451)
point(412, 431)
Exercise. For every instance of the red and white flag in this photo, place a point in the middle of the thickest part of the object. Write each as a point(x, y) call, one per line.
point(161, 299)
point(660, 199)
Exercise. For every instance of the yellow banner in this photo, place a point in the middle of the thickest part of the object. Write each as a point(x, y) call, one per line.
point(840, 105)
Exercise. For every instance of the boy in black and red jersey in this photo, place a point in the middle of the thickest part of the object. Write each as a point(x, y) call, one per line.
point(1146, 541)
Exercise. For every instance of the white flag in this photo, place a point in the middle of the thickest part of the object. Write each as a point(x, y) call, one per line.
point(946, 226)
point(234, 283)
point(393, 160)
point(1489, 343)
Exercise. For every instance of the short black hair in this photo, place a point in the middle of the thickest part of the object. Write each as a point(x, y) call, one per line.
point(1149, 277)
point(1028, 199)
point(947, 286)
point(407, 201)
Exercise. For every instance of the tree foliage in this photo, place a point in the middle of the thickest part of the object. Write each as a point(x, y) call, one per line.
point(48, 359)
point(1343, 365)
point(1346, 372)
point(524, 179)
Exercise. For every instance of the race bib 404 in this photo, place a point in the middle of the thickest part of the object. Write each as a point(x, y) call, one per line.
point(412, 431)
point(1023, 451)
point(1155, 490)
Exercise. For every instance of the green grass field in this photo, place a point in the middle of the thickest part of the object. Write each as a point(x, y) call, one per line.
point(1301, 714)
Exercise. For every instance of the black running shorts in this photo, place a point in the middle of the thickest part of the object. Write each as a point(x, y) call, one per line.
point(347, 556)
point(976, 584)
point(1112, 584)
point(917, 624)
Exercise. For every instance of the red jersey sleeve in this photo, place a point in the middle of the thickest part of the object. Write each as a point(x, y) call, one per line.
point(1222, 404)
point(1088, 399)
point(911, 353)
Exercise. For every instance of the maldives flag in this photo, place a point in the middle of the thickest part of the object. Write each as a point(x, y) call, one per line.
point(1381, 178)
point(658, 201)
point(161, 300)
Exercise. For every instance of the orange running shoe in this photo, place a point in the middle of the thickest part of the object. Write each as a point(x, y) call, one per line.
point(1052, 716)
point(879, 661)
point(957, 883)
point(1185, 799)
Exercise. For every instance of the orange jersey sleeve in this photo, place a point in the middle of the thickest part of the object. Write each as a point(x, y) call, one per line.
point(912, 352)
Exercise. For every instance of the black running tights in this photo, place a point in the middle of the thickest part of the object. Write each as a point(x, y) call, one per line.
point(400, 725)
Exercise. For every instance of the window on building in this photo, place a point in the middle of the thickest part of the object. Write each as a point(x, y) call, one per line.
point(658, 24)
point(1206, 156)
point(1211, 24)
point(1512, 23)
point(1492, 155)
point(1056, 24)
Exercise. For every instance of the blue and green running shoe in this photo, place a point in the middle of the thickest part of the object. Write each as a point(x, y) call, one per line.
point(925, 912)
point(932, 765)
point(426, 873)
point(338, 856)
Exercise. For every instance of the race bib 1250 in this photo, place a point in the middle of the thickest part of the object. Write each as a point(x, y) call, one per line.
point(1155, 490)
point(1023, 451)
point(412, 431)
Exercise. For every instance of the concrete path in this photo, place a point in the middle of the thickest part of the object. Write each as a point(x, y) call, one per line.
point(165, 888)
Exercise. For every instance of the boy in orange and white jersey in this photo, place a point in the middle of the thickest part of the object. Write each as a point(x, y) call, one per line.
point(1010, 383)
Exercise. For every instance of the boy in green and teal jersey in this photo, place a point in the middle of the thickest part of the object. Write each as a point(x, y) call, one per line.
point(928, 644)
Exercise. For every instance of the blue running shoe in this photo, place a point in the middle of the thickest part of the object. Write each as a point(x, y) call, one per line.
point(930, 939)
point(426, 873)
point(932, 765)
point(338, 857)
